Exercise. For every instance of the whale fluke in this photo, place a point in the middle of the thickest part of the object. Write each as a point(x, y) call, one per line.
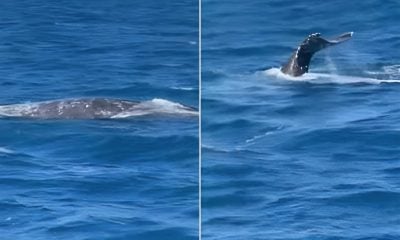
point(299, 62)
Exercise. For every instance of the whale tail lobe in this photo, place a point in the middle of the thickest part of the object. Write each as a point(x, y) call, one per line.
point(299, 62)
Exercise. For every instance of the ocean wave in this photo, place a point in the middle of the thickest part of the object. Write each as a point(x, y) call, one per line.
point(6, 150)
point(371, 198)
point(326, 78)
point(267, 133)
point(183, 88)
point(226, 150)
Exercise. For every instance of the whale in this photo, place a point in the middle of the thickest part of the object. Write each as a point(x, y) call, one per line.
point(299, 62)
point(95, 108)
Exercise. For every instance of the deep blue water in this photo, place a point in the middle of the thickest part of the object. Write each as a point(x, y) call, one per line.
point(311, 159)
point(95, 179)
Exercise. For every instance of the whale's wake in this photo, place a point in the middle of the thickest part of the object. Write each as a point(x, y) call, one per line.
point(95, 108)
point(323, 78)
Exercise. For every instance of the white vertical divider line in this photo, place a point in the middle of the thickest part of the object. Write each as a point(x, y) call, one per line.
point(200, 156)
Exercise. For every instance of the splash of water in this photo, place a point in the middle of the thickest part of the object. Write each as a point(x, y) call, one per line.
point(321, 78)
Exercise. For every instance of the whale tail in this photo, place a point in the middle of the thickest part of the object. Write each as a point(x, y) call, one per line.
point(299, 62)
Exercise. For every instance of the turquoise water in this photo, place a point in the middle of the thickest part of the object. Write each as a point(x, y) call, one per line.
point(132, 178)
point(312, 158)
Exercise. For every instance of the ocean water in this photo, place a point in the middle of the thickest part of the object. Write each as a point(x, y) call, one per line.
point(317, 157)
point(133, 178)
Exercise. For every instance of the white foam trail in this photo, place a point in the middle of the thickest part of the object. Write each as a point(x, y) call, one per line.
point(6, 150)
point(252, 139)
point(326, 78)
point(183, 88)
point(157, 106)
point(391, 70)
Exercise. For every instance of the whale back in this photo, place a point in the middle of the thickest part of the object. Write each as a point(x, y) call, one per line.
point(95, 108)
point(82, 108)
point(90, 108)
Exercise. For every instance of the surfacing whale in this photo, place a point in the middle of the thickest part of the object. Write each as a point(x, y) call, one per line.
point(95, 108)
point(299, 62)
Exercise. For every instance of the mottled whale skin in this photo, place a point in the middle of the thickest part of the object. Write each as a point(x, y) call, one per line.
point(95, 108)
point(299, 62)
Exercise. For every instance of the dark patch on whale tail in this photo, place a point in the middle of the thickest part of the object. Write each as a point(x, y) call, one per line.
point(299, 62)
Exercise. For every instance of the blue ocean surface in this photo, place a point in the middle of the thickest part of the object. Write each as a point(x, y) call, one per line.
point(132, 178)
point(315, 157)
